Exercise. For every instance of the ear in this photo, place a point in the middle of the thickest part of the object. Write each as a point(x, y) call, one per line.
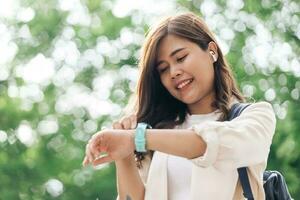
point(213, 50)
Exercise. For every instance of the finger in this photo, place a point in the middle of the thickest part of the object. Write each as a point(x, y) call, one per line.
point(126, 123)
point(93, 145)
point(103, 145)
point(117, 125)
point(133, 121)
point(104, 159)
point(95, 151)
point(85, 161)
point(88, 153)
point(97, 145)
point(92, 151)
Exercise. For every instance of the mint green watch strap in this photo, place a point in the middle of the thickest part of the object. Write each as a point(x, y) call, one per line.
point(140, 137)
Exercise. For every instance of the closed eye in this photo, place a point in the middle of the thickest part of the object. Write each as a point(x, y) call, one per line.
point(181, 59)
point(162, 70)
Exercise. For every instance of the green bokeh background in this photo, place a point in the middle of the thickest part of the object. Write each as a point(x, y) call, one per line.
point(92, 47)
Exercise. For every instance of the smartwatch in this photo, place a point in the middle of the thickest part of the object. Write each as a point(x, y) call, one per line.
point(140, 137)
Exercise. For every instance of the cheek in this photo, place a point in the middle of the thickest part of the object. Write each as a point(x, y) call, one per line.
point(210, 78)
point(163, 80)
point(167, 84)
point(206, 77)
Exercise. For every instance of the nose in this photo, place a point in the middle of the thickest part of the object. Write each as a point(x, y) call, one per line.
point(175, 72)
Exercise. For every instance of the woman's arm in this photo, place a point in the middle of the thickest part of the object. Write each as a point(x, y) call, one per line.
point(128, 180)
point(243, 141)
point(180, 142)
point(119, 144)
point(183, 143)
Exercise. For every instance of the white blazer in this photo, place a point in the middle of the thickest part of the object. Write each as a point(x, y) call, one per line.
point(244, 141)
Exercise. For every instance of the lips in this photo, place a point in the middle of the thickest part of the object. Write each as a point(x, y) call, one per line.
point(183, 84)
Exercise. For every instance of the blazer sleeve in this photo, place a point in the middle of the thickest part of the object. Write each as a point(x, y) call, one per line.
point(244, 141)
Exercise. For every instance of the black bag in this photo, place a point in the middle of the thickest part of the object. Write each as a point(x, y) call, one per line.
point(274, 184)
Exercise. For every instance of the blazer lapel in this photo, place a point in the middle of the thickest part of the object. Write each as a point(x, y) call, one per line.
point(156, 186)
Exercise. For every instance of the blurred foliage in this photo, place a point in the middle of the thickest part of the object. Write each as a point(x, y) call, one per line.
point(86, 54)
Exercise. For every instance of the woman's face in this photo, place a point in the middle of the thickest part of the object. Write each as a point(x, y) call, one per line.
point(187, 72)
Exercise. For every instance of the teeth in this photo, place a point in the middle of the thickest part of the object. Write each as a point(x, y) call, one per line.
point(181, 85)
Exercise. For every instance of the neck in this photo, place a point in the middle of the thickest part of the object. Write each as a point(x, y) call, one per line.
point(202, 106)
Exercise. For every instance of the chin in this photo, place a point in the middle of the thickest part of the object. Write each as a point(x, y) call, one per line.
point(189, 100)
point(193, 99)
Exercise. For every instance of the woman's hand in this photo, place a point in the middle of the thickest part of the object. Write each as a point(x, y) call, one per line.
point(117, 144)
point(126, 123)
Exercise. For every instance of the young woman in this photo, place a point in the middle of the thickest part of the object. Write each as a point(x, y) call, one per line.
point(185, 92)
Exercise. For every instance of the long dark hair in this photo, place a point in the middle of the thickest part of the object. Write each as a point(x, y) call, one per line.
point(153, 103)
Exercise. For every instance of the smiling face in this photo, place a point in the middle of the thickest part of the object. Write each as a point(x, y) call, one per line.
point(187, 72)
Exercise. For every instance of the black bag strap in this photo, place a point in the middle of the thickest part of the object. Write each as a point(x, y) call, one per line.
point(243, 176)
point(235, 111)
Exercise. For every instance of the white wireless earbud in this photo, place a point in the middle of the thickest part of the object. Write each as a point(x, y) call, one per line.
point(213, 55)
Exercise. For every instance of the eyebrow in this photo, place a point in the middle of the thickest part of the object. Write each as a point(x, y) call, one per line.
point(171, 54)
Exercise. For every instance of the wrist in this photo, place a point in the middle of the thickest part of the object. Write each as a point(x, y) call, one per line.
point(127, 161)
point(140, 137)
point(132, 136)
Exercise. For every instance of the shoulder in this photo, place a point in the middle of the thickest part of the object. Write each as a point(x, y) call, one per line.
point(261, 106)
point(256, 108)
point(261, 111)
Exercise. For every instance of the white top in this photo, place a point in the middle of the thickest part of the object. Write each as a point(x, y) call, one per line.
point(180, 169)
point(244, 141)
